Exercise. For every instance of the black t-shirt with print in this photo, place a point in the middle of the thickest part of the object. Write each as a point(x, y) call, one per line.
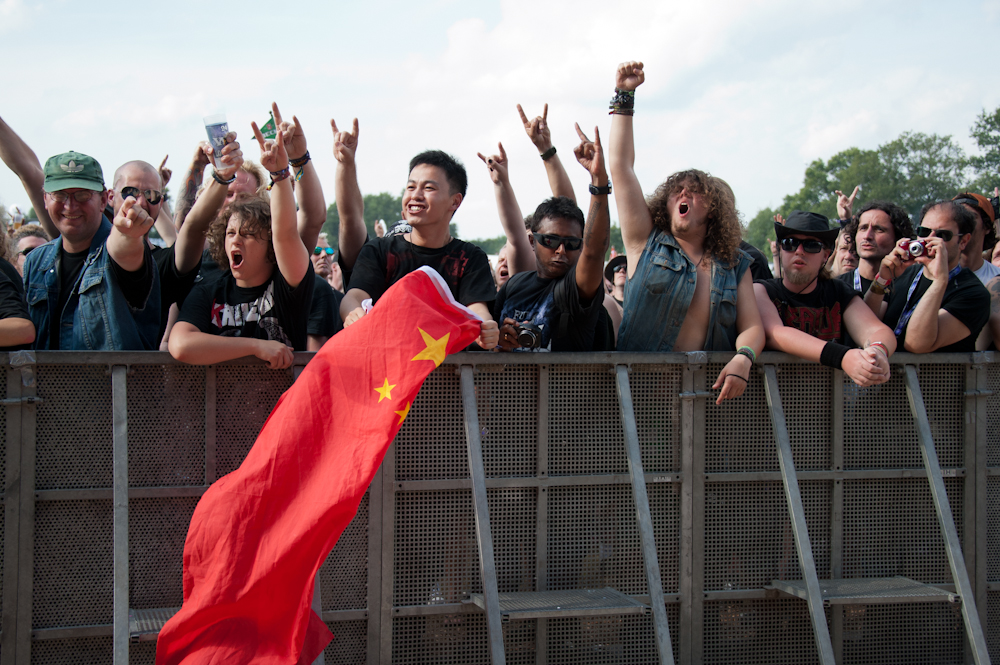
point(384, 261)
point(965, 298)
point(568, 322)
point(12, 305)
point(174, 287)
point(819, 313)
point(324, 312)
point(273, 310)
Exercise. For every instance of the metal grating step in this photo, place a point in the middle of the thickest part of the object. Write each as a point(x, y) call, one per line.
point(145, 625)
point(569, 603)
point(869, 591)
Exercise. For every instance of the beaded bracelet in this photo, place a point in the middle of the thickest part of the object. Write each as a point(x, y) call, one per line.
point(748, 352)
point(299, 162)
point(278, 176)
point(623, 102)
point(218, 178)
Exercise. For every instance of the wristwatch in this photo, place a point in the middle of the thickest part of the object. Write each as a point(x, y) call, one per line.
point(597, 191)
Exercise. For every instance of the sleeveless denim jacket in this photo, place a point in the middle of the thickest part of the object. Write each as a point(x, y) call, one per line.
point(96, 317)
point(659, 293)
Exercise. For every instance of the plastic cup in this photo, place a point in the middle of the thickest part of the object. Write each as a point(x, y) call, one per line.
point(217, 128)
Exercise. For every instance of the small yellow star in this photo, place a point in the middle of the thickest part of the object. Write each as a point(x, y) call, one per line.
point(402, 414)
point(436, 349)
point(383, 392)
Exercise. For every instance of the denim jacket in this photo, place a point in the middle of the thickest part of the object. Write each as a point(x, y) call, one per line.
point(96, 317)
point(659, 293)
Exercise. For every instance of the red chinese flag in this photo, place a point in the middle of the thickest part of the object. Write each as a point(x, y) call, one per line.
point(260, 534)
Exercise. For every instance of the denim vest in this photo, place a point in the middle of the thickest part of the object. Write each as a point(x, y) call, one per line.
point(96, 317)
point(659, 293)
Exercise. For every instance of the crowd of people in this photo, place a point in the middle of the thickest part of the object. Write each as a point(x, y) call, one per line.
point(246, 271)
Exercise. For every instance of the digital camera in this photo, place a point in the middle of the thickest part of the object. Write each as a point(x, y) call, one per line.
point(916, 248)
point(529, 336)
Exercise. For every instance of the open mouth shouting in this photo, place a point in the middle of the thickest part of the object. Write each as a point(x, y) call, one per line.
point(236, 259)
point(683, 208)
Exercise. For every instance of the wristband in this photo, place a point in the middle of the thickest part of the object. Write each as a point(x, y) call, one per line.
point(300, 162)
point(218, 178)
point(748, 352)
point(623, 102)
point(880, 345)
point(882, 282)
point(278, 176)
point(598, 191)
point(833, 355)
point(877, 289)
point(547, 155)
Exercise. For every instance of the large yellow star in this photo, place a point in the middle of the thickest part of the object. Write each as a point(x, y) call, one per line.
point(436, 349)
point(383, 392)
point(402, 414)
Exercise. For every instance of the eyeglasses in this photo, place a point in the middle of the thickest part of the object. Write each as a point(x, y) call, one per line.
point(944, 234)
point(25, 252)
point(80, 196)
point(619, 268)
point(151, 195)
point(320, 250)
point(552, 241)
point(810, 246)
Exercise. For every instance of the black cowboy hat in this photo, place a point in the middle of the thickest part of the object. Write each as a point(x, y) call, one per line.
point(807, 224)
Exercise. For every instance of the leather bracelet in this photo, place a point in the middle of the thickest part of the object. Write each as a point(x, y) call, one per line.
point(877, 289)
point(833, 355)
point(218, 178)
point(300, 162)
point(547, 155)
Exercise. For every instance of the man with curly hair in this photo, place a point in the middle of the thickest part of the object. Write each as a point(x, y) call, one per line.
point(875, 230)
point(689, 285)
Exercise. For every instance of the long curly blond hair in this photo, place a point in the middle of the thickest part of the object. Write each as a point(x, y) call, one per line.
point(724, 232)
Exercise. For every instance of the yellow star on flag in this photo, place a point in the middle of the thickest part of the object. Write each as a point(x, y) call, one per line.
point(383, 392)
point(402, 414)
point(436, 349)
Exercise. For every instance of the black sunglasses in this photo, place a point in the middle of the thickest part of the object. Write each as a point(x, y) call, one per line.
point(619, 268)
point(320, 250)
point(944, 234)
point(151, 195)
point(25, 252)
point(552, 241)
point(810, 246)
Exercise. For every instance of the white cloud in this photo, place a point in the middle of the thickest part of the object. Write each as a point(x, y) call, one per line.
point(13, 15)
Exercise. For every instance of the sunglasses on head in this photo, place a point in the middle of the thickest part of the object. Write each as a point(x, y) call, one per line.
point(320, 250)
point(552, 241)
point(80, 196)
point(810, 246)
point(152, 196)
point(944, 234)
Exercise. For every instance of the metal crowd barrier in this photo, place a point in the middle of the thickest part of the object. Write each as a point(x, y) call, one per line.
point(106, 455)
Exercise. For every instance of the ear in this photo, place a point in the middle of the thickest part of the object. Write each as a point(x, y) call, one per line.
point(963, 241)
point(531, 239)
point(456, 200)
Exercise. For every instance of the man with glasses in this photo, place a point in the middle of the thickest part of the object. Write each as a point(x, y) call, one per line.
point(810, 315)
point(984, 236)
point(95, 286)
point(25, 240)
point(936, 304)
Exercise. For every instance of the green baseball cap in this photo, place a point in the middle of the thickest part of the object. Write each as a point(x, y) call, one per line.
point(73, 170)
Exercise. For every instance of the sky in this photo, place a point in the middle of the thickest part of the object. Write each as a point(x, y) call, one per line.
point(751, 91)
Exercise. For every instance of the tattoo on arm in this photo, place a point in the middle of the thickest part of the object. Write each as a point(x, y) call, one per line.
point(588, 231)
point(187, 198)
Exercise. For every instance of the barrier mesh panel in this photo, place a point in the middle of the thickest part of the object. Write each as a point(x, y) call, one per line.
point(431, 442)
point(585, 431)
point(765, 632)
point(458, 639)
point(3, 427)
point(891, 528)
point(349, 645)
point(73, 427)
point(82, 651)
point(436, 555)
point(878, 425)
point(993, 529)
point(73, 576)
point(166, 425)
point(238, 421)
point(593, 539)
point(738, 435)
point(993, 415)
point(919, 633)
point(157, 529)
point(748, 533)
point(992, 627)
point(143, 653)
point(508, 418)
point(657, 405)
point(609, 640)
point(343, 578)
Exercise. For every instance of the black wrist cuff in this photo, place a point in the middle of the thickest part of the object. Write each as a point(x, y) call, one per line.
point(547, 155)
point(833, 355)
point(218, 178)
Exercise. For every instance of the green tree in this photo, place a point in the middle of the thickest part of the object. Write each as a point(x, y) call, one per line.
point(760, 231)
point(986, 132)
point(383, 206)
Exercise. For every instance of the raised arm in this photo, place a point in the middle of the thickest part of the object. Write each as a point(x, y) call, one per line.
point(541, 136)
point(520, 258)
point(192, 181)
point(633, 213)
point(127, 243)
point(191, 237)
point(845, 204)
point(23, 161)
point(164, 223)
point(590, 267)
point(308, 191)
point(292, 256)
point(350, 206)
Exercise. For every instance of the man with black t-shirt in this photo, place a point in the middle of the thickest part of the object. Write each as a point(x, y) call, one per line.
point(563, 297)
point(810, 315)
point(434, 191)
point(875, 230)
point(936, 304)
point(95, 286)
